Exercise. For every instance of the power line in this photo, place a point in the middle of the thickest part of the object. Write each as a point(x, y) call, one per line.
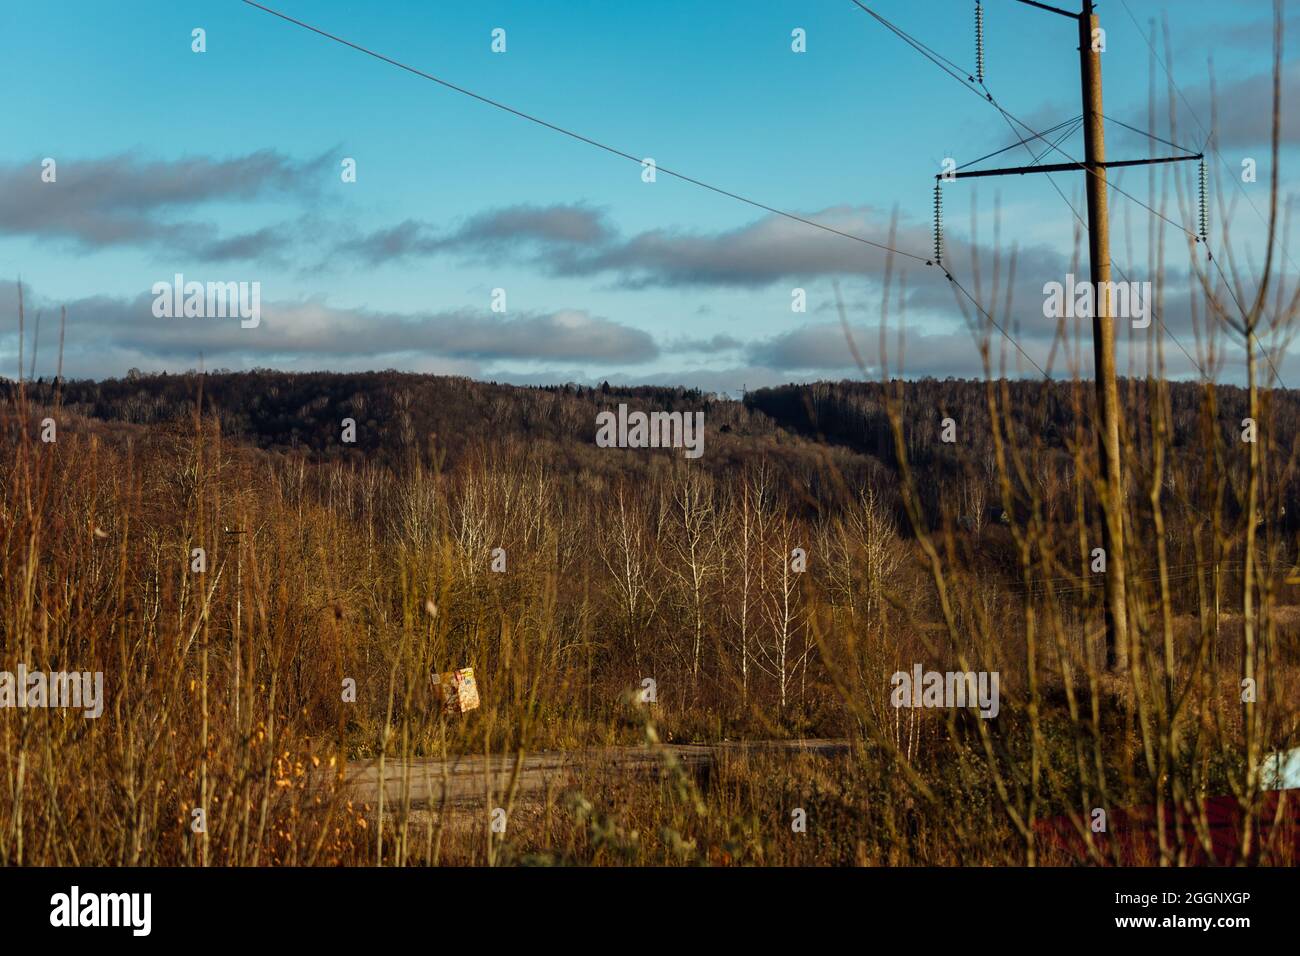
point(581, 138)
point(970, 84)
point(1190, 233)
point(618, 152)
point(938, 59)
point(1091, 172)
point(1148, 134)
point(1009, 118)
point(1023, 141)
point(1123, 274)
point(992, 321)
point(956, 72)
point(1050, 145)
point(986, 313)
point(1103, 329)
point(1120, 269)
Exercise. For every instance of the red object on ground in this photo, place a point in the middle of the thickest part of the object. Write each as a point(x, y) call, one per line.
point(1132, 836)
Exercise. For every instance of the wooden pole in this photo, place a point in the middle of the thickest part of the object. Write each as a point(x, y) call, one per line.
point(1103, 343)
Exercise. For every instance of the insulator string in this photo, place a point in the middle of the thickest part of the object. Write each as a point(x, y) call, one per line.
point(1205, 213)
point(938, 223)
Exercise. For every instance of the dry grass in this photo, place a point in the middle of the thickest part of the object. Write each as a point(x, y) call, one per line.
point(225, 689)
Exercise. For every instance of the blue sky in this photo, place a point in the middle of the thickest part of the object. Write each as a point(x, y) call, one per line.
point(225, 166)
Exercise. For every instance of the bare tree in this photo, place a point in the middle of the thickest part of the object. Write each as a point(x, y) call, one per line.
point(776, 648)
point(754, 503)
point(627, 558)
point(694, 555)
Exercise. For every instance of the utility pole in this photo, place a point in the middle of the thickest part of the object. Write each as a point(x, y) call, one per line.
point(1103, 340)
point(1103, 323)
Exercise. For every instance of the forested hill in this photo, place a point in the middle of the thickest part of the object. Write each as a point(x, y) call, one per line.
point(798, 429)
